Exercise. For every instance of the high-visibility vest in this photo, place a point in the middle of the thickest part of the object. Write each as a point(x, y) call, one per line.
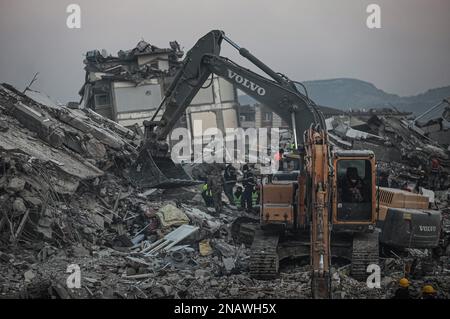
point(255, 198)
point(237, 200)
point(206, 189)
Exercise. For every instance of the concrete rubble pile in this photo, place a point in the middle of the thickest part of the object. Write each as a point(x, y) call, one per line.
point(62, 182)
point(66, 200)
point(402, 150)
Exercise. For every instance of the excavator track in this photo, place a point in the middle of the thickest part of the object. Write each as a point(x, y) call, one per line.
point(365, 252)
point(264, 261)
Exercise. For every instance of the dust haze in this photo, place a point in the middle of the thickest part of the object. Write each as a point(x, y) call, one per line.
point(306, 40)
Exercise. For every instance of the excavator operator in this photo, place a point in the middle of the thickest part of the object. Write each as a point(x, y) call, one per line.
point(353, 187)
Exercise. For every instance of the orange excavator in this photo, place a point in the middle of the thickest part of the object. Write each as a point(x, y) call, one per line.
point(327, 209)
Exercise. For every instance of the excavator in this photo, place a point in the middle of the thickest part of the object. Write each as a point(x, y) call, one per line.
point(321, 213)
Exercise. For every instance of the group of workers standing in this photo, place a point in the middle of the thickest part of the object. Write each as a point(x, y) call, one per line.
point(245, 196)
point(404, 292)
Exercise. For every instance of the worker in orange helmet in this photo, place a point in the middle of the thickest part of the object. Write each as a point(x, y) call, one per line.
point(402, 291)
point(428, 292)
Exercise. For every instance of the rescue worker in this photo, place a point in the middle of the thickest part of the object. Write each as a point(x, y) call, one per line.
point(435, 173)
point(215, 182)
point(428, 292)
point(249, 184)
point(238, 196)
point(255, 196)
point(383, 181)
point(402, 291)
point(291, 147)
point(279, 158)
point(405, 187)
point(207, 195)
point(230, 177)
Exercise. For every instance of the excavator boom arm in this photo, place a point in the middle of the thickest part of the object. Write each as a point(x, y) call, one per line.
point(282, 97)
point(203, 60)
point(188, 81)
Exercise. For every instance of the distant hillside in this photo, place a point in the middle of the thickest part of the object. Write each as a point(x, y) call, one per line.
point(349, 93)
point(356, 94)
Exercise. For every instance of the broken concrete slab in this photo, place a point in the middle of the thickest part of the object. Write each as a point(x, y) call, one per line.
point(201, 273)
point(80, 122)
point(229, 263)
point(29, 275)
point(19, 206)
point(98, 220)
point(224, 249)
point(32, 199)
point(69, 142)
point(44, 227)
point(202, 219)
point(3, 126)
point(16, 184)
point(80, 251)
point(37, 121)
point(67, 170)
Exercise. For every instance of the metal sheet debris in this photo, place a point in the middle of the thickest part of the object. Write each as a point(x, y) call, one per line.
point(170, 240)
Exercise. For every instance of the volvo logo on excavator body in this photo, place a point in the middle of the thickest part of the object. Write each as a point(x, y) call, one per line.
point(246, 82)
point(427, 228)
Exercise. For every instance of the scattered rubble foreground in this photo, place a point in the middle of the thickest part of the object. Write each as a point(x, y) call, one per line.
point(66, 200)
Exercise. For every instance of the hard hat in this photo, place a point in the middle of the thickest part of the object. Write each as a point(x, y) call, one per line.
point(404, 283)
point(428, 289)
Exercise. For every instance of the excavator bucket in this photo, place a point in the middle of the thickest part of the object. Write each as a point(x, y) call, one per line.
point(158, 172)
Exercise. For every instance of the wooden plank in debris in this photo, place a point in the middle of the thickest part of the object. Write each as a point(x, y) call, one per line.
point(116, 204)
point(21, 225)
point(141, 276)
point(139, 261)
point(110, 211)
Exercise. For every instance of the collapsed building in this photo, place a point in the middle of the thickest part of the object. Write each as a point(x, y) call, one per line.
point(435, 123)
point(129, 87)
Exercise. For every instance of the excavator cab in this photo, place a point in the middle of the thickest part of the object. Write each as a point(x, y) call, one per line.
point(354, 198)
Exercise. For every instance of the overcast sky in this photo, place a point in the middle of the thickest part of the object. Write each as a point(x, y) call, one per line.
point(304, 39)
